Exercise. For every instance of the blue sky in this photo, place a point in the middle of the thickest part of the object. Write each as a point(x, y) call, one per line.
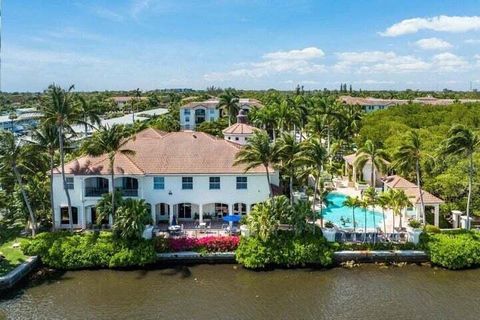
point(257, 44)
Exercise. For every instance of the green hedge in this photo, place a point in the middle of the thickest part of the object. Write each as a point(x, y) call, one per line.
point(66, 251)
point(454, 250)
point(284, 249)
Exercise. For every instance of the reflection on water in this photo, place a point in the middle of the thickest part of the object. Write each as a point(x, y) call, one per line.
point(230, 292)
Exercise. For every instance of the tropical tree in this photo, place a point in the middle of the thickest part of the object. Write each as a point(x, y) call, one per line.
point(110, 141)
point(288, 150)
point(11, 156)
point(370, 154)
point(399, 201)
point(229, 104)
point(464, 142)
point(370, 195)
point(89, 112)
point(352, 202)
point(384, 202)
point(59, 110)
point(312, 158)
point(131, 219)
point(364, 205)
point(259, 151)
point(45, 138)
point(104, 206)
point(264, 219)
point(407, 158)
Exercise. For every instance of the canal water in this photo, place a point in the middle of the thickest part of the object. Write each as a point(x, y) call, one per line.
point(230, 292)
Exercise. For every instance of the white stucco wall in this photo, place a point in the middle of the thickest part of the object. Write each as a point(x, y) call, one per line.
point(211, 114)
point(257, 191)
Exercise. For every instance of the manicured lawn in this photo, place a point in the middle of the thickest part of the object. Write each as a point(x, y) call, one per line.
point(14, 257)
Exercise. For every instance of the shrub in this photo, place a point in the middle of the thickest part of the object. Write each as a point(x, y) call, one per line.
point(329, 224)
point(432, 229)
point(454, 251)
point(285, 249)
point(63, 250)
point(415, 224)
point(206, 244)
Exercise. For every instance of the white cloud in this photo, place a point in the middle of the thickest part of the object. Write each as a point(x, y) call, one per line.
point(433, 44)
point(438, 23)
point(472, 41)
point(294, 61)
point(378, 62)
point(449, 62)
point(106, 14)
point(139, 6)
point(303, 54)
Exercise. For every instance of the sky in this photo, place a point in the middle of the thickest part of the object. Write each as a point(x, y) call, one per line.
point(246, 44)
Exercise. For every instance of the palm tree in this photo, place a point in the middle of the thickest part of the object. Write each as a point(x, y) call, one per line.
point(312, 158)
point(89, 112)
point(45, 138)
point(464, 142)
point(352, 202)
point(259, 151)
point(110, 141)
point(58, 110)
point(384, 201)
point(11, 155)
point(364, 205)
point(131, 219)
point(265, 117)
point(370, 196)
point(407, 158)
point(288, 149)
point(377, 158)
point(399, 201)
point(229, 104)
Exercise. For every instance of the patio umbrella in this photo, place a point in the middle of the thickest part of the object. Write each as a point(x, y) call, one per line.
point(231, 218)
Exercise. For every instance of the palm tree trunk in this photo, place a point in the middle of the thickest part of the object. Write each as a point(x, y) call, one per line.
point(470, 183)
point(268, 181)
point(365, 226)
point(353, 215)
point(419, 184)
point(51, 192)
point(25, 198)
point(393, 221)
point(112, 176)
point(372, 174)
point(64, 179)
point(384, 223)
point(291, 188)
point(314, 202)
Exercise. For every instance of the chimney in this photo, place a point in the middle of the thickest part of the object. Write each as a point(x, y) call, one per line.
point(241, 117)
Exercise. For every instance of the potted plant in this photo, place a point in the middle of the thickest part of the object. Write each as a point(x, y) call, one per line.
point(414, 231)
point(329, 231)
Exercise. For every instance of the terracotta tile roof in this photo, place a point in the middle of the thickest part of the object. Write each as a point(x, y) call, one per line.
point(167, 153)
point(240, 128)
point(411, 190)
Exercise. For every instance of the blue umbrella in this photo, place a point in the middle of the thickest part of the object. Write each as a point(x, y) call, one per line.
point(231, 218)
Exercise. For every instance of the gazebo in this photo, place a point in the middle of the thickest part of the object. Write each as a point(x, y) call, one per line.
point(411, 190)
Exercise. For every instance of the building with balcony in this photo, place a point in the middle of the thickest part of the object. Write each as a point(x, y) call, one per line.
point(194, 113)
point(182, 176)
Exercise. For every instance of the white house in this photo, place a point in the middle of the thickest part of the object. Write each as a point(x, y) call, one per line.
point(194, 113)
point(181, 175)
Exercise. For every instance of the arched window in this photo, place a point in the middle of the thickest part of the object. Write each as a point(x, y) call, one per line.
point(240, 209)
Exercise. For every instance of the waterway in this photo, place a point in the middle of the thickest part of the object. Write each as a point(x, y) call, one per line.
point(231, 292)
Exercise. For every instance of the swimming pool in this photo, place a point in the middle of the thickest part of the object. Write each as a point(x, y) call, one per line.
point(342, 216)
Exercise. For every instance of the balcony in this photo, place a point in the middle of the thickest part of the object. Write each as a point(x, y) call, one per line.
point(95, 192)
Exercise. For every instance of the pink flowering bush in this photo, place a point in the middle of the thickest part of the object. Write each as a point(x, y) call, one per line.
point(206, 244)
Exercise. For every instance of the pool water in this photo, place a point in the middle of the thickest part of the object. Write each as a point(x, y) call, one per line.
point(342, 216)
